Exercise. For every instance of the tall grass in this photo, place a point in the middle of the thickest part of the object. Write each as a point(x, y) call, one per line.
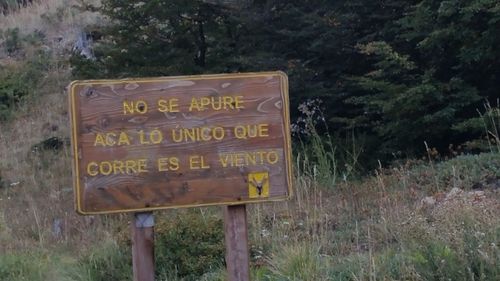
point(491, 122)
point(323, 158)
point(105, 262)
point(378, 229)
point(59, 21)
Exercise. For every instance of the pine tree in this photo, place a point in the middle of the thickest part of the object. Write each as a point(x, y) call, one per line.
point(427, 80)
point(399, 72)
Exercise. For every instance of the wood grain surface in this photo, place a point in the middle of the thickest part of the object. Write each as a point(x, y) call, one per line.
point(236, 240)
point(153, 143)
point(143, 265)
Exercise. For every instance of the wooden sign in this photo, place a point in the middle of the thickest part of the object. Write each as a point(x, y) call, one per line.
point(155, 143)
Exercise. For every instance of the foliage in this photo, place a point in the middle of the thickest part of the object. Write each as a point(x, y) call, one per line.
point(300, 262)
point(189, 37)
point(19, 80)
point(487, 122)
point(397, 72)
point(33, 266)
point(108, 262)
point(11, 40)
point(405, 107)
point(430, 77)
point(12, 90)
point(316, 155)
point(157, 38)
point(15, 44)
point(189, 245)
point(7, 6)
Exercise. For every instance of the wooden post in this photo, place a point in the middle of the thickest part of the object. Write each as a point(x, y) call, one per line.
point(143, 246)
point(236, 236)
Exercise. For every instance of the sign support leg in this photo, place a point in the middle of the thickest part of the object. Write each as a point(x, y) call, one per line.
point(142, 228)
point(236, 237)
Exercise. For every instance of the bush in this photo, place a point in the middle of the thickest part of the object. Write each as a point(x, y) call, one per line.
point(108, 262)
point(12, 90)
point(19, 81)
point(301, 261)
point(24, 266)
point(189, 245)
point(16, 44)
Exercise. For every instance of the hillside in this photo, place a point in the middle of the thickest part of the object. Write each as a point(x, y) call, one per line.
point(430, 218)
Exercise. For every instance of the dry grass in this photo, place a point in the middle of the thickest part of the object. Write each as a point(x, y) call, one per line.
point(354, 231)
point(36, 17)
point(379, 229)
point(60, 21)
point(372, 229)
point(37, 201)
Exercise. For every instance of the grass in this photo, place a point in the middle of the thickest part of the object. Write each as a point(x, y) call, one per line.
point(379, 227)
point(59, 20)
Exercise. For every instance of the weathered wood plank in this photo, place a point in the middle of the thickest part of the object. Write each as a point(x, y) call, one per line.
point(236, 238)
point(166, 142)
point(142, 229)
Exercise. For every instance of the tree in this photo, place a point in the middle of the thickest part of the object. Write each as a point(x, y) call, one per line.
point(159, 37)
point(398, 72)
point(189, 37)
point(428, 78)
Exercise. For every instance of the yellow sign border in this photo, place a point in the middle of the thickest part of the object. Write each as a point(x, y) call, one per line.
point(287, 134)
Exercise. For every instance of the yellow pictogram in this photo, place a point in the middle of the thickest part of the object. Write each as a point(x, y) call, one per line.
point(258, 185)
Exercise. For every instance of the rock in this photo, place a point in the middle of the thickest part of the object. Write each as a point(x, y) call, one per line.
point(57, 228)
point(493, 182)
point(454, 192)
point(428, 201)
point(83, 46)
point(476, 196)
point(477, 185)
point(52, 143)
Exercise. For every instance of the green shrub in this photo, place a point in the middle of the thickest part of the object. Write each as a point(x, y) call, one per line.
point(464, 171)
point(24, 266)
point(12, 90)
point(18, 82)
point(16, 44)
point(481, 254)
point(437, 261)
point(108, 262)
point(301, 261)
point(189, 245)
point(12, 41)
